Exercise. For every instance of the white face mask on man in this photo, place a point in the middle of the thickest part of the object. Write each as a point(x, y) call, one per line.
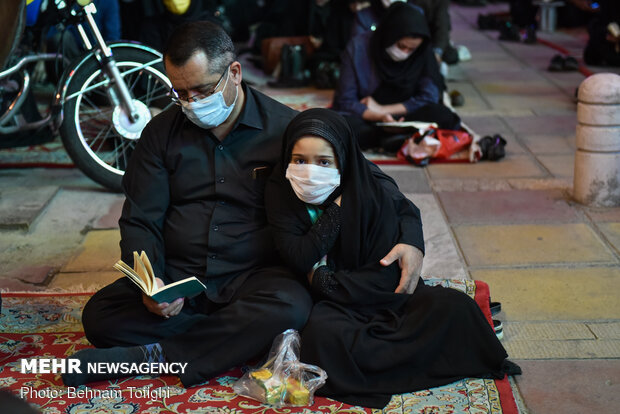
point(211, 111)
point(397, 54)
point(312, 183)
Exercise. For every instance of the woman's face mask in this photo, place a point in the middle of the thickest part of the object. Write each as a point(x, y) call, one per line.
point(313, 171)
point(396, 54)
point(402, 49)
point(211, 111)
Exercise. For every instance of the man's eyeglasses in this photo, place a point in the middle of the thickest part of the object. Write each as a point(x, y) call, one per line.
point(205, 92)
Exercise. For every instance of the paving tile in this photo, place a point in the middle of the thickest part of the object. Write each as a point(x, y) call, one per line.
point(410, 179)
point(555, 294)
point(559, 165)
point(555, 100)
point(473, 99)
point(549, 144)
point(58, 177)
point(31, 274)
point(20, 208)
point(83, 282)
point(99, 252)
point(605, 330)
point(570, 387)
point(13, 285)
point(601, 214)
point(485, 124)
point(517, 88)
point(563, 349)
point(442, 258)
point(537, 331)
point(530, 244)
point(509, 167)
point(555, 183)
point(477, 184)
point(543, 125)
point(504, 207)
point(110, 219)
point(612, 232)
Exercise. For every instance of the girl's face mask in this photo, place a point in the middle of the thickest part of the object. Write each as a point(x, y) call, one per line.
point(311, 183)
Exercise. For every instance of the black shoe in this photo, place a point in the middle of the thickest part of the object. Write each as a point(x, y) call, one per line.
point(486, 22)
point(457, 99)
point(496, 307)
point(556, 64)
point(530, 35)
point(509, 33)
point(570, 64)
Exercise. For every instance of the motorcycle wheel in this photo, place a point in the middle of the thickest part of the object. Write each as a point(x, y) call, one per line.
point(95, 132)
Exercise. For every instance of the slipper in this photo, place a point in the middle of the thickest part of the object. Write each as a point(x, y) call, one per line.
point(457, 99)
point(464, 53)
point(496, 307)
point(570, 64)
point(556, 64)
point(498, 328)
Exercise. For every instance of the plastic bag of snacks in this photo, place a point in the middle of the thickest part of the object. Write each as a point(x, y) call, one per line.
point(282, 380)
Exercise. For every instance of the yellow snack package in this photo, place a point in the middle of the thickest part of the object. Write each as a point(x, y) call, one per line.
point(283, 380)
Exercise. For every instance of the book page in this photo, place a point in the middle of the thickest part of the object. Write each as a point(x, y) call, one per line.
point(140, 270)
point(149, 270)
point(131, 274)
point(408, 124)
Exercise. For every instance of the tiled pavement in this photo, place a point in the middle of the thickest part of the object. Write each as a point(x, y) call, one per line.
point(554, 264)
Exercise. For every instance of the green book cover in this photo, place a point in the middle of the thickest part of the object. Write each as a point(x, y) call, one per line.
point(185, 288)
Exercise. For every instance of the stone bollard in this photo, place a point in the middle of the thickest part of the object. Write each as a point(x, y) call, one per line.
point(597, 160)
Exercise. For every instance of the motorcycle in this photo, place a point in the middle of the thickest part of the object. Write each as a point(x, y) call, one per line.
point(103, 100)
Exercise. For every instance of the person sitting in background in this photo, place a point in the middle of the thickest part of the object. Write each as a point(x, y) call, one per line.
point(438, 19)
point(332, 222)
point(390, 74)
point(603, 47)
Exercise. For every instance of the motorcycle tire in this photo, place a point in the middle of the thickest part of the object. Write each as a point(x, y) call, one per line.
point(94, 131)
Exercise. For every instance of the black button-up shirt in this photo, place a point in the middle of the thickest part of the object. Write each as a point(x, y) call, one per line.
point(195, 204)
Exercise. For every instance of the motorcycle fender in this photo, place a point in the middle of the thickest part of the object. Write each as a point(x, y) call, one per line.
point(63, 85)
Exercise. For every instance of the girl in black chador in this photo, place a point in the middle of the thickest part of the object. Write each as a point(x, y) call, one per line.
point(333, 222)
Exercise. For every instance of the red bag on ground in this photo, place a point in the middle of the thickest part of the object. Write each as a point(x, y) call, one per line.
point(434, 144)
point(451, 143)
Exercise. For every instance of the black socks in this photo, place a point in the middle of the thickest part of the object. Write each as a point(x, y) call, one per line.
point(110, 363)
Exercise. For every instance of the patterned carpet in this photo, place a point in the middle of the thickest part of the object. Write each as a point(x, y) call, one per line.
point(48, 326)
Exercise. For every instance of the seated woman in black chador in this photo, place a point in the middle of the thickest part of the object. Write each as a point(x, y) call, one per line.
point(389, 74)
point(333, 222)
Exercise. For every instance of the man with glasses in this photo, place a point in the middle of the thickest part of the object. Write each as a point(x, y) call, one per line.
point(194, 203)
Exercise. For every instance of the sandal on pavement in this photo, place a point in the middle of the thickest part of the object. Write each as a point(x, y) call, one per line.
point(570, 64)
point(556, 64)
point(498, 328)
point(496, 307)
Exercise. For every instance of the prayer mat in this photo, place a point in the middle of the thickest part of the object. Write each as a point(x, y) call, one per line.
point(48, 326)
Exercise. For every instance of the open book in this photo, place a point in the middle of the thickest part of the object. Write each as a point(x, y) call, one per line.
point(408, 124)
point(142, 275)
